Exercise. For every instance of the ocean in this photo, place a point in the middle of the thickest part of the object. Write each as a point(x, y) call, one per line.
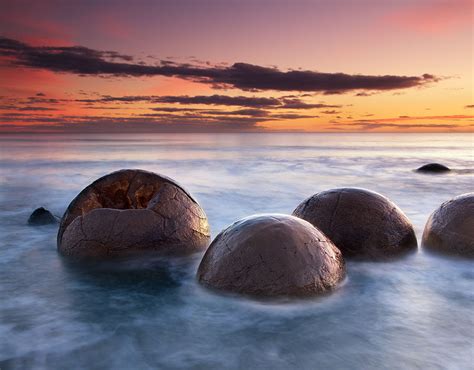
point(413, 313)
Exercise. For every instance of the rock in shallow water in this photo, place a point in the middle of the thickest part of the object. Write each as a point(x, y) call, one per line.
point(433, 168)
point(132, 212)
point(41, 216)
point(450, 228)
point(272, 255)
point(361, 223)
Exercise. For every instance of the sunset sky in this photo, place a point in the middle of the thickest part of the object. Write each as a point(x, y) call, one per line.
point(220, 66)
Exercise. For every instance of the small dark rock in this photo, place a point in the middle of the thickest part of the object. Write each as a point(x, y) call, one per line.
point(41, 216)
point(433, 168)
point(450, 228)
point(133, 212)
point(272, 255)
point(361, 223)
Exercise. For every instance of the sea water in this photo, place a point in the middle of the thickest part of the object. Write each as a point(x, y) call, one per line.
point(414, 313)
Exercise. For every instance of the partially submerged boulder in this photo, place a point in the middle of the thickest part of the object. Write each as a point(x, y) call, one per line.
point(433, 168)
point(361, 223)
point(41, 216)
point(272, 255)
point(450, 228)
point(132, 212)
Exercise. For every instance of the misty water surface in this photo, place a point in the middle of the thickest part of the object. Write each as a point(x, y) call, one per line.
point(415, 313)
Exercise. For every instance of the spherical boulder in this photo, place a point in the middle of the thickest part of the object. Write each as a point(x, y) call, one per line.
point(450, 228)
point(272, 255)
point(41, 216)
point(433, 168)
point(132, 212)
point(361, 223)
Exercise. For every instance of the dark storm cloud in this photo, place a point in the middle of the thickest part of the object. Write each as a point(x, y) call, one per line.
point(84, 61)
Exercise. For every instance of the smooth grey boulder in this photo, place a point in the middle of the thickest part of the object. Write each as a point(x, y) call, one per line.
point(272, 255)
point(450, 228)
point(133, 212)
point(433, 168)
point(41, 216)
point(361, 223)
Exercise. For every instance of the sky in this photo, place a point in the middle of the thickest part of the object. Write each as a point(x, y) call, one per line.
point(236, 66)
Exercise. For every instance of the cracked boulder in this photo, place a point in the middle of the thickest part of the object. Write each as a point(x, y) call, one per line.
point(132, 212)
point(450, 228)
point(361, 223)
point(272, 255)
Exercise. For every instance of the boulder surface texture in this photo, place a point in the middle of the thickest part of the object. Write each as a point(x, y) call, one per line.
point(450, 228)
point(272, 255)
point(361, 223)
point(130, 212)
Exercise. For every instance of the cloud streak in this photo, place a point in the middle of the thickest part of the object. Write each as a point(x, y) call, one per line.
point(145, 123)
point(26, 109)
point(242, 101)
point(184, 120)
point(368, 126)
point(221, 100)
point(84, 61)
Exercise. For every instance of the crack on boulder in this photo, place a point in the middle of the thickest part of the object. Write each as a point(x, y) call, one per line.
point(180, 222)
point(362, 223)
point(270, 255)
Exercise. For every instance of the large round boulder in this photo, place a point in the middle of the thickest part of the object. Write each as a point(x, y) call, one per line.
point(361, 223)
point(433, 168)
point(130, 212)
point(450, 228)
point(272, 255)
